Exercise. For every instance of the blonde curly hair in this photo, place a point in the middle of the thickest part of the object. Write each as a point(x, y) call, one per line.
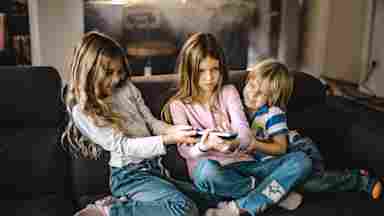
point(89, 68)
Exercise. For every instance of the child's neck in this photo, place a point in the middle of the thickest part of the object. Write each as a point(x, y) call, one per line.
point(250, 111)
point(206, 99)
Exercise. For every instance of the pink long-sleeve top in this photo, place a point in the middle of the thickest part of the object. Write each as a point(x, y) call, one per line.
point(230, 112)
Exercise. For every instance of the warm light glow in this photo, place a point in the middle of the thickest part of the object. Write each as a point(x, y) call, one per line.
point(112, 2)
point(130, 2)
point(118, 1)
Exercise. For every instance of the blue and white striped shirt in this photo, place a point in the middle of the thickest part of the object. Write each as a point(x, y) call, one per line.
point(269, 122)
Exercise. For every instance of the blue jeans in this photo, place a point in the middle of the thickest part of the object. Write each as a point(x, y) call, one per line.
point(148, 192)
point(274, 178)
point(306, 145)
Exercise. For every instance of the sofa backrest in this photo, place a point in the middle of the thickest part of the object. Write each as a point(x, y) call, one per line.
point(90, 178)
point(308, 91)
point(31, 160)
point(156, 90)
point(30, 96)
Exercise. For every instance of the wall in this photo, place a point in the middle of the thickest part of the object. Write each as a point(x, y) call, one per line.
point(55, 28)
point(315, 13)
point(373, 81)
point(346, 32)
point(334, 36)
point(335, 39)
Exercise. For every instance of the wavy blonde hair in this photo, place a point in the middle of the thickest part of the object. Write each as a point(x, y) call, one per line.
point(89, 69)
point(197, 47)
point(279, 78)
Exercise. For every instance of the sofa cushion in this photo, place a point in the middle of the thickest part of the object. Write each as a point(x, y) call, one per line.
point(32, 163)
point(90, 178)
point(307, 91)
point(156, 90)
point(362, 131)
point(332, 204)
point(48, 205)
point(30, 97)
point(319, 123)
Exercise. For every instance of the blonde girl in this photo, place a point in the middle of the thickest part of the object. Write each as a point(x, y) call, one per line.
point(107, 112)
point(205, 102)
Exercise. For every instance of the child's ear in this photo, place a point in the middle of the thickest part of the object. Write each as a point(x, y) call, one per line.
point(270, 103)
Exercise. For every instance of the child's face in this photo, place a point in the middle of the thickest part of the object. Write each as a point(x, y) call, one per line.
point(256, 93)
point(209, 77)
point(114, 73)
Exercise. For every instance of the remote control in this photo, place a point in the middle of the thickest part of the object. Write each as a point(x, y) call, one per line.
point(224, 135)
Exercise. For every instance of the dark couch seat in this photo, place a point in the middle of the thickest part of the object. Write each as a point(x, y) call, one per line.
point(35, 172)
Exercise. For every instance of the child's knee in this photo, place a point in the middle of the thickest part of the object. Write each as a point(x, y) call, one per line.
point(180, 205)
point(206, 171)
point(188, 208)
point(301, 163)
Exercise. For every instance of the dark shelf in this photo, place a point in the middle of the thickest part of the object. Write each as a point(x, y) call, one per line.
point(18, 24)
point(17, 45)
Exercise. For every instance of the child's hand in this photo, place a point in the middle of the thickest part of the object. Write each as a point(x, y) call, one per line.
point(243, 155)
point(252, 147)
point(179, 134)
point(216, 143)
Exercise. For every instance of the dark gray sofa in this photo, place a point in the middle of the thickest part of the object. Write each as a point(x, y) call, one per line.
point(39, 178)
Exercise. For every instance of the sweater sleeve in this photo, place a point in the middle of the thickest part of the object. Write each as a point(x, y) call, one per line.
point(110, 140)
point(157, 126)
point(238, 119)
point(179, 117)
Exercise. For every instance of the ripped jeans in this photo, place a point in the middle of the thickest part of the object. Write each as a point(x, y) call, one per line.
point(254, 185)
point(148, 191)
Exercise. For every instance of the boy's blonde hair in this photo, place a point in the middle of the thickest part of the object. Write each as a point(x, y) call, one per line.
point(197, 47)
point(88, 69)
point(279, 78)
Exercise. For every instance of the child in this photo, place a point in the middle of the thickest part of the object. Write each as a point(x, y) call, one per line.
point(268, 88)
point(107, 112)
point(204, 102)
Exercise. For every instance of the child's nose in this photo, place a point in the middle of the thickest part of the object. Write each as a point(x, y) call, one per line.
point(210, 74)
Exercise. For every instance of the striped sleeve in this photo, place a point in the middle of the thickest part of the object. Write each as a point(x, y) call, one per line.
point(276, 122)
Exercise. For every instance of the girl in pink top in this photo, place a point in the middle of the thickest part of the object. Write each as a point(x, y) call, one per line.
point(218, 165)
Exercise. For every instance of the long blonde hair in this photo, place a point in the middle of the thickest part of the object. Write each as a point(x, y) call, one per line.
point(197, 47)
point(279, 78)
point(88, 70)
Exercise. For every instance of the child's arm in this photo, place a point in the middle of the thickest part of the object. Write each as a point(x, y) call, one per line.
point(179, 116)
point(158, 127)
point(275, 126)
point(238, 119)
point(209, 142)
point(276, 146)
point(113, 141)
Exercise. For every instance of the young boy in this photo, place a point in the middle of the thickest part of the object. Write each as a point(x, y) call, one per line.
point(268, 89)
